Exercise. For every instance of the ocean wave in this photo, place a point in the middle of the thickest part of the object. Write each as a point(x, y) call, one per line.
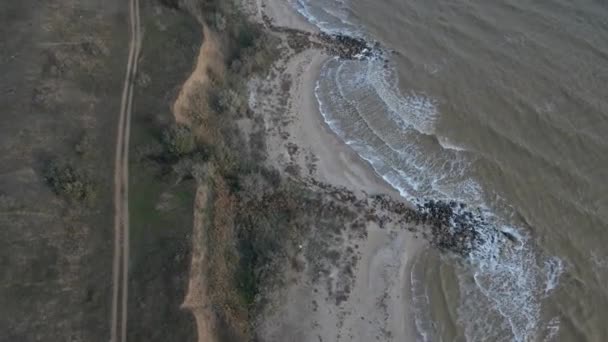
point(552, 329)
point(332, 20)
point(448, 145)
point(353, 95)
point(505, 276)
point(553, 267)
point(420, 306)
point(412, 109)
point(505, 273)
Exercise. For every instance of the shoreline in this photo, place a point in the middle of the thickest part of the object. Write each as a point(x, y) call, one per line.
point(338, 163)
point(301, 144)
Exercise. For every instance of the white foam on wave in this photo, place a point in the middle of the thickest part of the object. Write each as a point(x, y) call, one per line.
point(507, 278)
point(448, 145)
point(553, 267)
point(411, 109)
point(419, 308)
point(407, 184)
point(552, 329)
point(434, 177)
point(393, 176)
point(505, 273)
point(338, 14)
point(514, 277)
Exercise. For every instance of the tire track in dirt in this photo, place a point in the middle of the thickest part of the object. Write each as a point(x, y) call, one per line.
point(121, 185)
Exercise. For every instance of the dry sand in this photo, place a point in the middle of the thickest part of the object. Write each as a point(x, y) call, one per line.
point(299, 141)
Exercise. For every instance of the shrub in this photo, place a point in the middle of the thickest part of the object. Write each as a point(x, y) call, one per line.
point(231, 102)
point(70, 182)
point(173, 4)
point(179, 140)
point(85, 145)
point(246, 36)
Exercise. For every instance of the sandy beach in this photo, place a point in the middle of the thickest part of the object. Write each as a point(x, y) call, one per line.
point(302, 145)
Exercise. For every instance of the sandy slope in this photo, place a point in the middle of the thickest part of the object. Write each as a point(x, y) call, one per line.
point(190, 98)
point(187, 102)
point(196, 298)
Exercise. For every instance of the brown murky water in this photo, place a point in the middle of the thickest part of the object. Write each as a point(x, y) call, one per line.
point(502, 105)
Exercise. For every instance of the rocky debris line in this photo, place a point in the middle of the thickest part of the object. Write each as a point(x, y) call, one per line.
point(345, 47)
point(342, 217)
point(449, 226)
point(340, 45)
point(452, 227)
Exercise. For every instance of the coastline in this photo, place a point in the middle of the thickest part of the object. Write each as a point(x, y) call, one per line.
point(338, 164)
point(301, 144)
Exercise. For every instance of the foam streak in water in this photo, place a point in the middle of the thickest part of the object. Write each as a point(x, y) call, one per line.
point(506, 278)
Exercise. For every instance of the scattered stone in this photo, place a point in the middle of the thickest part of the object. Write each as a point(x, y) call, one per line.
point(343, 46)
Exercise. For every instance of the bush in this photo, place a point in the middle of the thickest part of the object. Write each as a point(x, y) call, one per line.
point(246, 36)
point(173, 4)
point(231, 102)
point(70, 182)
point(85, 145)
point(179, 140)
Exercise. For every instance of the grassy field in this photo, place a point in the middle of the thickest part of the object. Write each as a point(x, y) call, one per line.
point(160, 206)
point(62, 64)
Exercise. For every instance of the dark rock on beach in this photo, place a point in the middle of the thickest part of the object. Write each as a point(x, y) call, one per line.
point(340, 45)
point(345, 46)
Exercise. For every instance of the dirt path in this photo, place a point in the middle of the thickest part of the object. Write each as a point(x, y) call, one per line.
point(120, 269)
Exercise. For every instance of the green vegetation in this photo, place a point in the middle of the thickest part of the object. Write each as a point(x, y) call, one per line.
point(179, 140)
point(254, 219)
point(84, 145)
point(71, 182)
point(160, 202)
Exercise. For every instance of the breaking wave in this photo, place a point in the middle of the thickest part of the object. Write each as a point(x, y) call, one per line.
point(504, 282)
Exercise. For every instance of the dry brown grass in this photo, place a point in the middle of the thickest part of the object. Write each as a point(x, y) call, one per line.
point(214, 296)
point(197, 298)
point(223, 260)
point(192, 106)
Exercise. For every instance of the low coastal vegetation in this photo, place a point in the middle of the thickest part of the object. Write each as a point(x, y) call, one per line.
point(238, 246)
point(257, 218)
point(71, 182)
point(208, 148)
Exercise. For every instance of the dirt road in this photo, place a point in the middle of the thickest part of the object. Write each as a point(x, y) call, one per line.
point(120, 268)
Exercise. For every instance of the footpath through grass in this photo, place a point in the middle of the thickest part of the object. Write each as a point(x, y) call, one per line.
point(160, 208)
